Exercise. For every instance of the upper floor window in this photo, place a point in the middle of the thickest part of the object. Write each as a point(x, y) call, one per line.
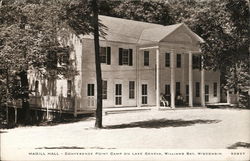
point(125, 56)
point(105, 55)
point(146, 58)
point(52, 60)
point(178, 60)
point(167, 59)
point(196, 62)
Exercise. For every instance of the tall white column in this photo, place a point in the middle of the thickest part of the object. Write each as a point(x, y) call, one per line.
point(202, 83)
point(172, 83)
point(157, 78)
point(190, 80)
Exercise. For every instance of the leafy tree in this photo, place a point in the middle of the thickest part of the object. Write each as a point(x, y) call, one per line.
point(28, 39)
point(146, 11)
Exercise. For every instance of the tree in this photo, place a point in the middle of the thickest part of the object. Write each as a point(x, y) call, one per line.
point(28, 39)
point(98, 123)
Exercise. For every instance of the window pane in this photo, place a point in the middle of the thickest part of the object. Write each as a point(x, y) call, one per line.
point(104, 89)
point(215, 89)
point(144, 89)
point(69, 89)
point(131, 89)
point(91, 90)
point(146, 58)
point(206, 93)
point(103, 54)
point(125, 57)
point(178, 59)
point(167, 59)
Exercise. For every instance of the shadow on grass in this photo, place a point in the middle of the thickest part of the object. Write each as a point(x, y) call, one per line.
point(3, 131)
point(161, 123)
point(72, 147)
point(239, 145)
point(64, 121)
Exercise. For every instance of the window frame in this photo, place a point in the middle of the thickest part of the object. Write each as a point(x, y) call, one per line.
point(105, 55)
point(146, 58)
point(104, 89)
point(167, 60)
point(215, 89)
point(131, 89)
point(178, 60)
point(90, 90)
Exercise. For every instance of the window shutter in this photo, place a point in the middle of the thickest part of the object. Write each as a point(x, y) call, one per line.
point(108, 55)
point(130, 57)
point(120, 56)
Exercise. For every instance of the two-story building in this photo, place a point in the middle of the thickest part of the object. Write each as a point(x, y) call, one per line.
point(140, 61)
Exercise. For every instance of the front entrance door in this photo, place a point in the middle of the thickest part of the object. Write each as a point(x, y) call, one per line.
point(91, 95)
point(118, 94)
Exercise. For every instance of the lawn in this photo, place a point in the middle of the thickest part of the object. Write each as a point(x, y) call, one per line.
point(171, 129)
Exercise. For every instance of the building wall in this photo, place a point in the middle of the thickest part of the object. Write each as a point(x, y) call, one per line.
point(115, 73)
point(49, 91)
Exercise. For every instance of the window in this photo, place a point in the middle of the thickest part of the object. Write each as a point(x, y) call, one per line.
point(197, 89)
point(144, 94)
point(215, 89)
point(178, 88)
point(206, 93)
point(36, 86)
point(63, 59)
point(105, 55)
point(125, 56)
point(91, 90)
point(178, 60)
point(187, 93)
point(131, 89)
point(118, 94)
point(52, 60)
point(196, 62)
point(69, 88)
point(167, 60)
point(146, 58)
point(104, 89)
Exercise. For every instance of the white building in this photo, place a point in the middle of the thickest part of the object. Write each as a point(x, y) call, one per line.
point(139, 62)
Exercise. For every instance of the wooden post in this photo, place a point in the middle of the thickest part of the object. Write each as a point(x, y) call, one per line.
point(172, 83)
point(75, 106)
point(15, 115)
point(190, 76)
point(202, 83)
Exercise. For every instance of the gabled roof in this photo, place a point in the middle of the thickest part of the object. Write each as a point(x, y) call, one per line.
point(130, 31)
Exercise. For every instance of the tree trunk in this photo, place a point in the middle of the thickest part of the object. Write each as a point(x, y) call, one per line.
point(25, 97)
point(98, 123)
